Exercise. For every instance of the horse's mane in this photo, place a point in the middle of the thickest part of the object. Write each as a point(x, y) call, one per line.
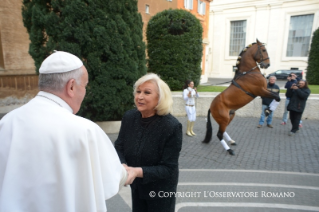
point(239, 58)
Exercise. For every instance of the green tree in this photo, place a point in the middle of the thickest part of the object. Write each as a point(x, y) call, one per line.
point(106, 35)
point(313, 60)
point(174, 47)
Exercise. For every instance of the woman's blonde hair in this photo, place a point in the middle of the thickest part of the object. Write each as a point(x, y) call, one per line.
point(165, 100)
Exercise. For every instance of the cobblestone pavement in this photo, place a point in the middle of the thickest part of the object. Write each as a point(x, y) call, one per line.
point(270, 171)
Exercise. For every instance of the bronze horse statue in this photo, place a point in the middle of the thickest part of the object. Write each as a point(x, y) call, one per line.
point(247, 84)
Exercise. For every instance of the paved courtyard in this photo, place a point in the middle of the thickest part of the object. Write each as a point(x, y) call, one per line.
point(270, 171)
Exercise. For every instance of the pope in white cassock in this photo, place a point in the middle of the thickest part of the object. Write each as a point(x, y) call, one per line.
point(51, 159)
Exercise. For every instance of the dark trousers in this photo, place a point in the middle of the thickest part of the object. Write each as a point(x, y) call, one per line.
point(295, 120)
point(155, 205)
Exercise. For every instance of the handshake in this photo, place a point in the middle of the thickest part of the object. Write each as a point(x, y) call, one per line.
point(132, 173)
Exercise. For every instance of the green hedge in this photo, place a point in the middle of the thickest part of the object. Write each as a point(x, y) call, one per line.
point(174, 47)
point(106, 35)
point(313, 60)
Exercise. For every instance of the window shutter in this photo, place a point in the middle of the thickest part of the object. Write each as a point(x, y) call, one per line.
point(237, 37)
point(204, 8)
point(199, 6)
point(299, 35)
point(191, 5)
point(185, 3)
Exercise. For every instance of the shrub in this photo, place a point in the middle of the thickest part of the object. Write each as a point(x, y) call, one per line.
point(313, 60)
point(174, 47)
point(106, 35)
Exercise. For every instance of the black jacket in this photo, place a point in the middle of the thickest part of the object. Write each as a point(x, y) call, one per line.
point(155, 148)
point(298, 99)
point(290, 83)
point(273, 88)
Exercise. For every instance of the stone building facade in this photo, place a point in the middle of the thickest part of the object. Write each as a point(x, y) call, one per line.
point(285, 26)
point(17, 68)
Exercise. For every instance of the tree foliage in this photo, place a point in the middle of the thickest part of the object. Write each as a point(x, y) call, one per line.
point(106, 35)
point(313, 60)
point(174, 47)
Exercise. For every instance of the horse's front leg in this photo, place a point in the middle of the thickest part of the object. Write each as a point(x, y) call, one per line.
point(269, 94)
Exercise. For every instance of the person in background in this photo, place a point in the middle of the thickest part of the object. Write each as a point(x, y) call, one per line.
point(148, 144)
point(298, 94)
point(291, 79)
point(51, 159)
point(271, 86)
point(189, 95)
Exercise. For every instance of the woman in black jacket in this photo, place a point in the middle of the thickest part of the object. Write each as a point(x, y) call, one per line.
point(149, 143)
point(298, 94)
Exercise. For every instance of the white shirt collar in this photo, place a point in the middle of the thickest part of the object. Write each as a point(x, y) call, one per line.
point(55, 99)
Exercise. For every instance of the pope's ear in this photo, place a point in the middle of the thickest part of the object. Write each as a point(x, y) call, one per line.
point(70, 87)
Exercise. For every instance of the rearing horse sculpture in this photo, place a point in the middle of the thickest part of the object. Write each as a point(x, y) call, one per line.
point(247, 84)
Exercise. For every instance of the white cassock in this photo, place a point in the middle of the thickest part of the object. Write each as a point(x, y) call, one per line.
point(54, 161)
point(190, 103)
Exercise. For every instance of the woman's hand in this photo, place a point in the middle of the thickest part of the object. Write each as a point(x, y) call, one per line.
point(294, 87)
point(133, 172)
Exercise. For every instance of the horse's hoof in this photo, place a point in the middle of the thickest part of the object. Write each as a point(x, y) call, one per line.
point(232, 142)
point(267, 113)
point(231, 152)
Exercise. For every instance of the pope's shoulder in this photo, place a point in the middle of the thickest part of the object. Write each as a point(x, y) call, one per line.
point(84, 122)
point(60, 115)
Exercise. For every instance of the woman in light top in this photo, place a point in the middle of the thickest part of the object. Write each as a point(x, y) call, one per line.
point(189, 95)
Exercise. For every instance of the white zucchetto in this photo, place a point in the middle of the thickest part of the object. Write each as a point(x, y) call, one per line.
point(60, 62)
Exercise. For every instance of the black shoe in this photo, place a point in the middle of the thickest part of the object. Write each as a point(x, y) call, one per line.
point(291, 133)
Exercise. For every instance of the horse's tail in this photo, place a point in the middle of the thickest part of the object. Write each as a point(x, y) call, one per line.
point(209, 129)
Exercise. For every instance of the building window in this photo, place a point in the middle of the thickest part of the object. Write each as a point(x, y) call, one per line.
point(237, 37)
point(188, 4)
point(201, 7)
point(300, 29)
point(147, 9)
